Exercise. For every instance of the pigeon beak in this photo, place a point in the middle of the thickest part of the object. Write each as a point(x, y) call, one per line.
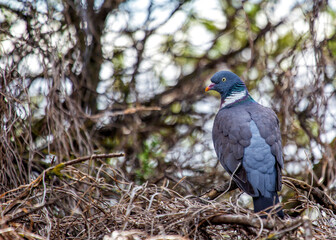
point(209, 87)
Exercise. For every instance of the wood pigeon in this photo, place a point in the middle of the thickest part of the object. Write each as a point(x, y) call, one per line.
point(247, 141)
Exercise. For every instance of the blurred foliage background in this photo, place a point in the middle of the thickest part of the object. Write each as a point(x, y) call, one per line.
point(83, 77)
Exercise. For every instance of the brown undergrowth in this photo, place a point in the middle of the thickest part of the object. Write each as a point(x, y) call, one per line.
point(86, 198)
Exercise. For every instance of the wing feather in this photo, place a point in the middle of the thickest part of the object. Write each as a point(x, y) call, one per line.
point(232, 134)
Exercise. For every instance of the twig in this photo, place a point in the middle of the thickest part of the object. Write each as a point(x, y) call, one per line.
point(320, 196)
point(255, 222)
point(58, 167)
point(218, 190)
point(181, 180)
point(94, 156)
point(25, 213)
point(124, 112)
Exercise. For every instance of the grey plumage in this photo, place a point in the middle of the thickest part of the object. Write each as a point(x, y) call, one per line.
point(247, 141)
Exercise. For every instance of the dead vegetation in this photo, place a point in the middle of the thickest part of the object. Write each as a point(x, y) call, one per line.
point(86, 198)
point(55, 117)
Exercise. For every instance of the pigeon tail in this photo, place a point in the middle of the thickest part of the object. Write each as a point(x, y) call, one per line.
point(261, 203)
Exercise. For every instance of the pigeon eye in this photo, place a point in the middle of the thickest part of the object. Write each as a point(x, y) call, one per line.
point(223, 79)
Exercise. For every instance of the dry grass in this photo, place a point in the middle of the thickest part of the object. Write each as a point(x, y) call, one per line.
point(88, 199)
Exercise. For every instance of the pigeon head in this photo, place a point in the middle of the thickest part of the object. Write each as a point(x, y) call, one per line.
point(225, 83)
point(231, 88)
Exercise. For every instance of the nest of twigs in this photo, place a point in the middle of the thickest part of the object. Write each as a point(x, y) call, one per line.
point(88, 199)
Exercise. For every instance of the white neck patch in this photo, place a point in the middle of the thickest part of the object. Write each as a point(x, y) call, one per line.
point(235, 96)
